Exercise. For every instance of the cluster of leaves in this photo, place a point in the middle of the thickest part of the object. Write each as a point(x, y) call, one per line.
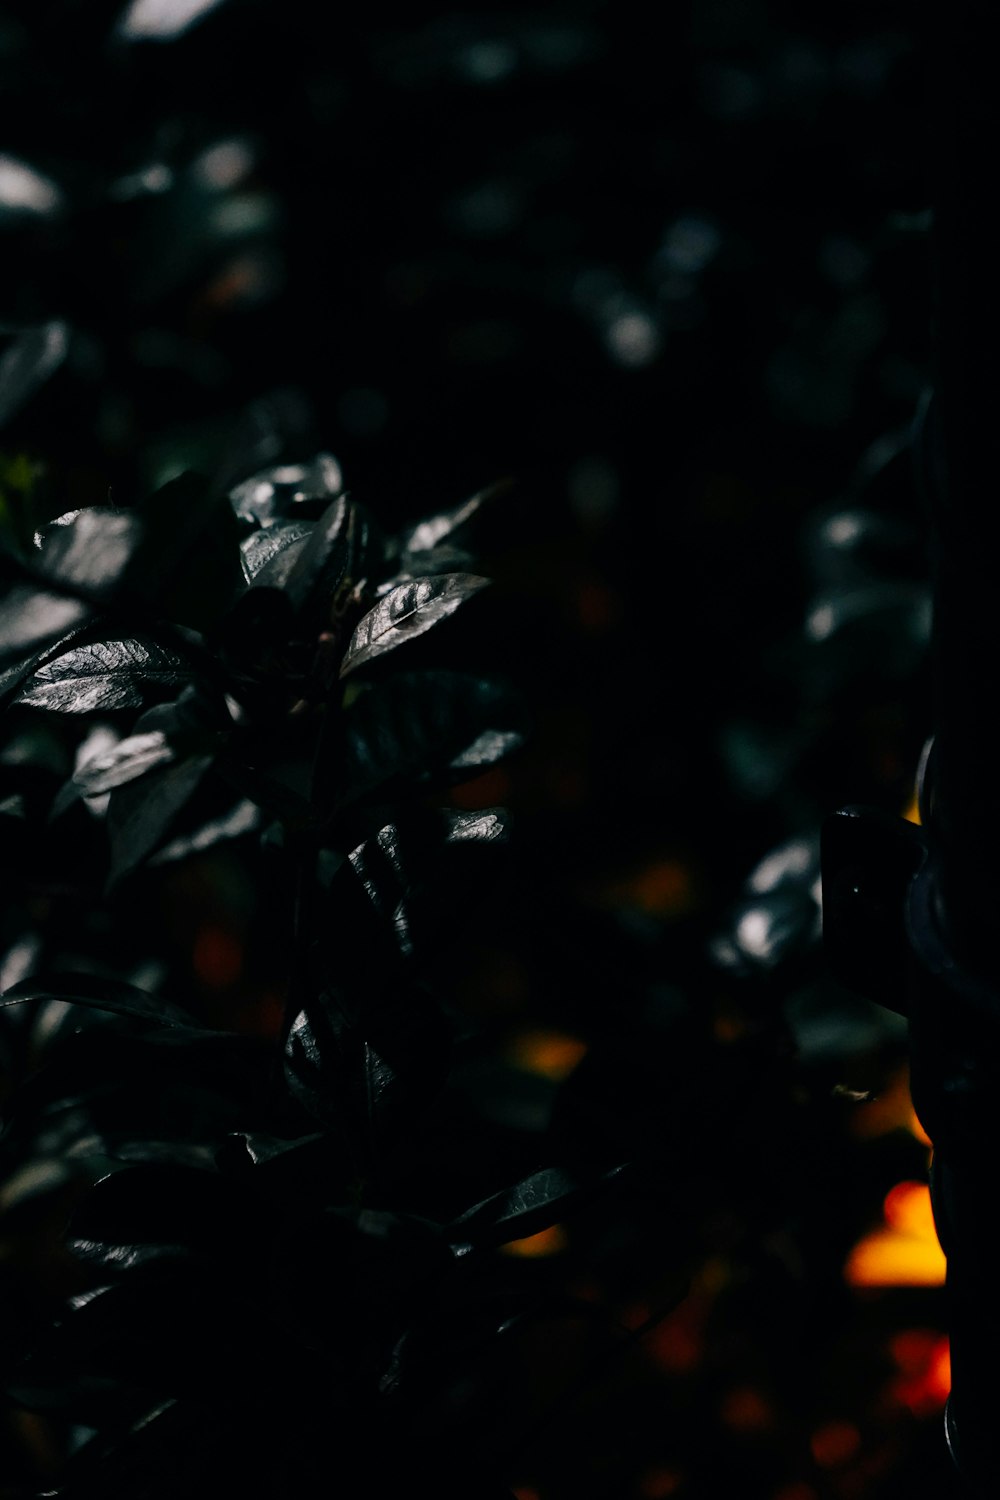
point(251, 1260)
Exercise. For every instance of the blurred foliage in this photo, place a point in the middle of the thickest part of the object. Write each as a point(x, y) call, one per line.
point(679, 291)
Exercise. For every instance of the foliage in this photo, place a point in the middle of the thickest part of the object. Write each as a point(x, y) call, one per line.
point(300, 1045)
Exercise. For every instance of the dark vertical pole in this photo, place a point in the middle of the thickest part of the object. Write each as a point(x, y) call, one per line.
point(956, 1013)
point(964, 78)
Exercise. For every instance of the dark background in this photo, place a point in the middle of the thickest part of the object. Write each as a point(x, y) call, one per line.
point(672, 279)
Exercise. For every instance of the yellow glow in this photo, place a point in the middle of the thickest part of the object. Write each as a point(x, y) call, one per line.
point(545, 1242)
point(912, 813)
point(892, 1109)
point(552, 1054)
point(905, 1252)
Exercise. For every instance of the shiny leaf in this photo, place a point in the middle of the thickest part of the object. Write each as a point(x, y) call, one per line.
point(244, 818)
point(328, 563)
point(104, 675)
point(532, 1204)
point(418, 877)
point(89, 549)
point(262, 547)
point(32, 620)
point(410, 609)
point(141, 813)
point(436, 529)
point(278, 493)
point(124, 761)
point(424, 725)
point(98, 993)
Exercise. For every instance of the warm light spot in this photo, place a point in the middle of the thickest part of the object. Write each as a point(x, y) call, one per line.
point(912, 813)
point(533, 1246)
point(552, 1054)
point(891, 1109)
point(904, 1253)
point(923, 1359)
point(745, 1410)
point(907, 1207)
point(525, 1492)
point(217, 957)
point(834, 1444)
point(657, 1483)
point(488, 790)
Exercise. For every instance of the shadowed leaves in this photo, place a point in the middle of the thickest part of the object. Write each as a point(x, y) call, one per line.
point(407, 611)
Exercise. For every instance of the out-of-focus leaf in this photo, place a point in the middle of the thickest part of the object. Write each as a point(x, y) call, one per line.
point(406, 612)
point(162, 20)
point(140, 813)
point(89, 549)
point(436, 529)
point(245, 817)
point(35, 354)
point(122, 762)
point(31, 620)
point(288, 491)
point(262, 547)
point(98, 993)
point(105, 675)
point(426, 725)
point(779, 916)
point(534, 1203)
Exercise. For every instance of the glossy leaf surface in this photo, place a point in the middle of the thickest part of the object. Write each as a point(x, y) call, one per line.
point(407, 611)
point(90, 549)
point(98, 993)
point(263, 547)
point(124, 761)
point(141, 813)
point(105, 675)
point(431, 532)
point(278, 493)
point(425, 725)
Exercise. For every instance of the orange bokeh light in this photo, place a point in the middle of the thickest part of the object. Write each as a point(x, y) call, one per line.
point(533, 1246)
point(905, 1251)
point(553, 1054)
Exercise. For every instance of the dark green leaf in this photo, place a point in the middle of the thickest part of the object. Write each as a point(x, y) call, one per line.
point(426, 725)
point(140, 813)
point(262, 547)
point(366, 1064)
point(410, 609)
point(98, 993)
point(125, 761)
point(105, 675)
point(28, 363)
point(436, 529)
point(244, 818)
point(287, 491)
point(31, 621)
point(328, 564)
point(528, 1206)
point(419, 878)
point(89, 549)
